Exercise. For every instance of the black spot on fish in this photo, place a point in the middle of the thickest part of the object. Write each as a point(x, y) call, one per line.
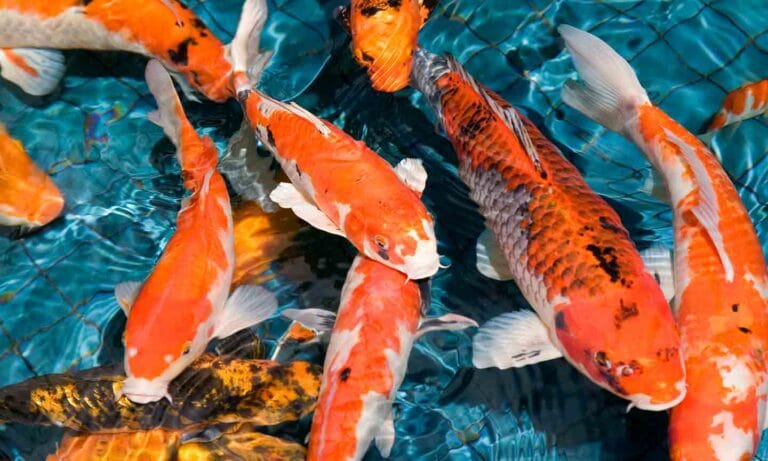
point(180, 55)
point(367, 57)
point(607, 260)
point(735, 308)
point(384, 254)
point(271, 141)
point(625, 312)
point(369, 11)
point(560, 321)
point(85, 2)
point(584, 229)
point(745, 330)
point(344, 375)
point(608, 225)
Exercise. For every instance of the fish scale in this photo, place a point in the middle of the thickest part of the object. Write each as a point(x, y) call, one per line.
point(565, 247)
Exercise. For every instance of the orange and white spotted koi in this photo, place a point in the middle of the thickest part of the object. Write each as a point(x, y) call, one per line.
point(340, 185)
point(379, 318)
point(167, 30)
point(720, 277)
point(185, 301)
point(384, 37)
point(28, 197)
point(743, 103)
point(565, 247)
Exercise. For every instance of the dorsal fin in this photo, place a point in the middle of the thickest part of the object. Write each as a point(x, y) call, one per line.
point(508, 114)
point(707, 210)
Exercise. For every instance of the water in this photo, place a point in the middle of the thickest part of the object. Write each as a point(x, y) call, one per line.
point(123, 191)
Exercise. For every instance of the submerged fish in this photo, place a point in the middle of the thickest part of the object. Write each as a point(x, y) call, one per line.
point(384, 36)
point(379, 318)
point(28, 196)
point(212, 390)
point(565, 247)
point(236, 442)
point(720, 277)
point(166, 30)
point(340, 185)
point(185, 302)
point(743, 103)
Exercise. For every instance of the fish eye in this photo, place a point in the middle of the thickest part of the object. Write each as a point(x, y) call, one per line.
point(381, 242)
point(601, 358)
point(187, 348)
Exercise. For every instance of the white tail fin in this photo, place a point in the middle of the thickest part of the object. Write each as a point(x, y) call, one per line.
point(247, 60)
point(35, 71)
point(169, 111)
point(609, 92)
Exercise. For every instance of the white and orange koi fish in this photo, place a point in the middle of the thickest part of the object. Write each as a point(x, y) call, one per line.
point(746, 102)
point(183, 303)
point(720, 277)
point(379, 318)
point(28, 196)
point(338, 184)
point(167, 30)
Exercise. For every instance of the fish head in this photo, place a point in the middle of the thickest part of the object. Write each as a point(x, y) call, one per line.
point(627, 343)
point(407, 245)
point(156, 354)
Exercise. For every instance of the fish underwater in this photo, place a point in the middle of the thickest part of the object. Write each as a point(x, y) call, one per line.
point(379, 318)
point(32, 30)
point(566, 248)
point(328, 170)
point(214, 389)
point(384, 37)
point(28, 197)
point(720, 277)
point(741, 104)
point(241, 442)
point(185, 301)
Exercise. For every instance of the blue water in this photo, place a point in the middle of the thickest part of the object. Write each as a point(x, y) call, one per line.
point(123, 190)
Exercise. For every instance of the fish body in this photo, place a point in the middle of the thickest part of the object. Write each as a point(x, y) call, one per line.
point(367, 356)
point(183, 304)
point(166, 30)
point(28, 196)
point(746, 102)
point(212, 390)
point(384, 36)
point(562, 244)
point(343, 187)
point(720, 278)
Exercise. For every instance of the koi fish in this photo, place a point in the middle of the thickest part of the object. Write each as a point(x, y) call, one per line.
point(166, 30)
point(183, 303)
point(384, 36)
point(379, 318)
point(720, 277)
point(743, 103)
point(28, 196)
point(565, 247)
point(328, 170)
point(239, 441)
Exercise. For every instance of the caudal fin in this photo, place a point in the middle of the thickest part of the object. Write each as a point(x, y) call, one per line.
point(36, 71)
point(169, 114)
point(609, 92)
point(247, 59)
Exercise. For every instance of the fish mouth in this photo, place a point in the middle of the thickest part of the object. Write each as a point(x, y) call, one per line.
point(141, 390)
point(643, 402)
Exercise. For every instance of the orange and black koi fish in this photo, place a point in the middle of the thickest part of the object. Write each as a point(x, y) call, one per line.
point(720, 277)
point(595, 304)
point(166, 30)
point(28, 196)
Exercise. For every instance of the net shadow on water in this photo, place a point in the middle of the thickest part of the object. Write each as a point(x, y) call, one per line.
point(123, 191)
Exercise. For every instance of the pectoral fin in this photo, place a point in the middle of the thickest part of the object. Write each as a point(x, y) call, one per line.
point(515, 339)
point(447, 322)
point(246, 307)
point(126, 294)
point(35, 71)
point(287, 196)
point(385, 439)
point(490, 260)
point(412, 173)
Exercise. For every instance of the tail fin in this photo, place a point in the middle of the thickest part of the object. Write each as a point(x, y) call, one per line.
point(36, 71)
point(610, 93)
point(247, 60)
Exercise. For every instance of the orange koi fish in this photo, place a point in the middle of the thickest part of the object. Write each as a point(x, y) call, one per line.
point(746, 102)
point(166, 30)
point(28, 196)
point(183, 303)
point(379, 318)
point(384, 36)
point(720, 277)
point(338, 184)
point(595, 304)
